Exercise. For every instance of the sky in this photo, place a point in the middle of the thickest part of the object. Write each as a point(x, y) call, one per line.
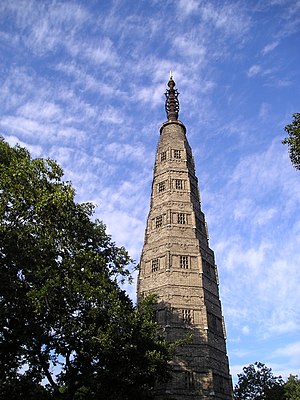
point(83, 82)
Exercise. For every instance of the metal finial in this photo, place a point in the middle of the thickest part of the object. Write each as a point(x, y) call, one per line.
point(172, 102)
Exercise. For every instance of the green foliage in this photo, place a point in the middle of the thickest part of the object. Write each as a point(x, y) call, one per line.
point(292, 388)
point(23, 387)
point(257, 382)
point(293, 140)
point(63, 316)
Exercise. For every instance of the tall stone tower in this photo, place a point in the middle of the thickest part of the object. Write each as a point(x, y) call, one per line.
point(178, 265)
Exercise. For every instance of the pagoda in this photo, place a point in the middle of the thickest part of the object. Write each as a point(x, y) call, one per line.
point(178, 265)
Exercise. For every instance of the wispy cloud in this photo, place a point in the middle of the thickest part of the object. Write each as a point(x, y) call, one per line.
point(229, 18)
point(254, 70)
point(264, 110)
point(289, 350)
point(190, 48)
point(44, 25)
point(102, 53)
point(188, 6)
point(43, 110)
point(259, 265)
point(126, 151)
point(270, 47)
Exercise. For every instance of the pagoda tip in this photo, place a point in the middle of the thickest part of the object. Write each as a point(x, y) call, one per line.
point(172, 103)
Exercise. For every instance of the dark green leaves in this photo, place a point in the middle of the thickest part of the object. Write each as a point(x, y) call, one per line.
point(64, 319)
point(257, 382)
point(293, 140)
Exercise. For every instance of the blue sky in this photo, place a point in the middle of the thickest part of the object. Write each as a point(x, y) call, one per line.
point(83, 82)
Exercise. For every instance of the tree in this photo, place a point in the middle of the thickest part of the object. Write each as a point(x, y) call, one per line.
point(257, 382)
point(293, 140)
point(64, 318)
point(23, 388)
point(292, 388)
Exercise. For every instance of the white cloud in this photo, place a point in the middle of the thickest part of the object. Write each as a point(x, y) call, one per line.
point(41, 110)
point(44, 27)
point(258, 244)
point(150, 94)
point(188, 6)
point(281, 82)
point(229, 18)
point(236, 369)
point(22, 125)
point(248, 259)
point(129, 224)
point(290, 20)
point(246, 330)
point(100, 53)
point(49, 28)
point(41, 129)
point(242, 208)
point(264, 110)
point(190, 48)
point(259, 176)
point(69, 134)
point(284, 360)
point(260, 284)
point(289, 350)
point(264, 216)
point(83, 79)
point(239, 352)
point(254, 70)
point(270, 47)
point(125, 151)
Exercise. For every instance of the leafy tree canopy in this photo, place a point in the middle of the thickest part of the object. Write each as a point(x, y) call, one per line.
point(65, 322)
point(257, 382)
point(293, 140)
point(292, 388)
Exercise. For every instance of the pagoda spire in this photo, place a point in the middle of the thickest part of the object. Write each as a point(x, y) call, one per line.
point(178, 266)
point(172, 102)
